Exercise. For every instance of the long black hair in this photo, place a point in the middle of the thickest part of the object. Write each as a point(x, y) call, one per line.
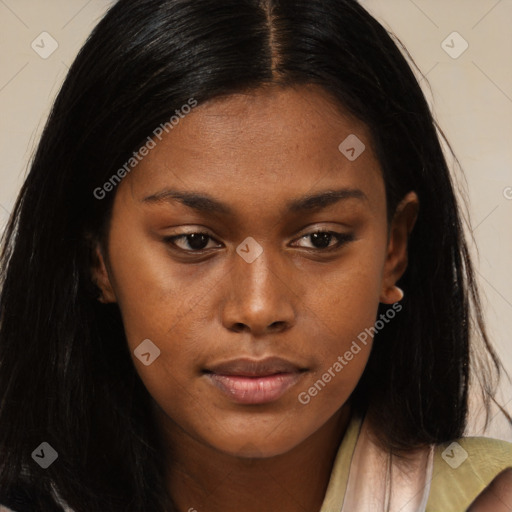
point(66, 376)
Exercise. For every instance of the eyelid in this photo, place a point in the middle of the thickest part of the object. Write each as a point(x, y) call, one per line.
point(341, 238)
point(170, 240)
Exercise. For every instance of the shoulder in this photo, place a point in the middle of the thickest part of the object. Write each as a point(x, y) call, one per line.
point(463, 468)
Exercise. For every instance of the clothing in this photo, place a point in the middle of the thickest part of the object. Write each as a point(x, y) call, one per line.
point(442, 478)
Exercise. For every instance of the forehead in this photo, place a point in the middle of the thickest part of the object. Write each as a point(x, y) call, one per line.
point(273, 141)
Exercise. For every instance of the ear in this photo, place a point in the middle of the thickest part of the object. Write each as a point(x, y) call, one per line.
point(101, 277)
point(402, 224)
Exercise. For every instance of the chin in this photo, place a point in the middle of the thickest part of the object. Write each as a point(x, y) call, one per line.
point(256, 447)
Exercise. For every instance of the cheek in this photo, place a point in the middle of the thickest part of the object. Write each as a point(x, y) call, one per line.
point(346, 296)
point(150, 292)
point(345, 310)
point(342, 353)
point(159, 302)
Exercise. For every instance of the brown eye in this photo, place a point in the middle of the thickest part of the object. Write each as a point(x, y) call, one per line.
point(190, 242)
point(322, 240)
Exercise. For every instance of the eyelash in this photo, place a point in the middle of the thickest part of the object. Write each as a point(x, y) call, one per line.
point(342, 239)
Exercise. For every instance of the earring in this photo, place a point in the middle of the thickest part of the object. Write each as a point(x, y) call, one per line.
point(400, 293)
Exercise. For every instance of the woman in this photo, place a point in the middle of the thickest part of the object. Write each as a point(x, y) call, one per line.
point(236, 278)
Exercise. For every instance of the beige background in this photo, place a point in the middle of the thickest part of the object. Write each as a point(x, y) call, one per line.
point(471, 97)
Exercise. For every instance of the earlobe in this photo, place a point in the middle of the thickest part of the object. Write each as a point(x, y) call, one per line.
point(392, 295)
point(101, 278)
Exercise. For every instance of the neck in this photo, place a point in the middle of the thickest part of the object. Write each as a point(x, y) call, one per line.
point(201, 478)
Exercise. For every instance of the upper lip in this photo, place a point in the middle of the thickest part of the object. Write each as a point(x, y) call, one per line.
point(255, 367)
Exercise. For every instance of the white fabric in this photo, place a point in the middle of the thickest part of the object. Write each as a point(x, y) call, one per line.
point(379, 482)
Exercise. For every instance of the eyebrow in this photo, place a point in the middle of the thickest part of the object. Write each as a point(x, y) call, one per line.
point(205, 203)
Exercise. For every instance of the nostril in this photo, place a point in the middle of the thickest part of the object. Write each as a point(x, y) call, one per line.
point(239, 327)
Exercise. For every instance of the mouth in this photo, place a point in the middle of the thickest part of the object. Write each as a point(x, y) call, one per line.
point(247, 381)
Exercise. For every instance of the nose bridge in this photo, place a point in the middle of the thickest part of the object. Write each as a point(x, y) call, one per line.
point(259, 299)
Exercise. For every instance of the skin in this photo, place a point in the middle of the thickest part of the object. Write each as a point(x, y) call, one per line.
point(296, 300)
point(497, 496)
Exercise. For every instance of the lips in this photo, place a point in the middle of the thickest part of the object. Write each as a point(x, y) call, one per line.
point(247, 381)
point(255, 368)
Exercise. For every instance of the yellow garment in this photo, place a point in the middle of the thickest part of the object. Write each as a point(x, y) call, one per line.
point(452, 489)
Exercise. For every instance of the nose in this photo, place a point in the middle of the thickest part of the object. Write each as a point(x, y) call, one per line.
point(260, 297)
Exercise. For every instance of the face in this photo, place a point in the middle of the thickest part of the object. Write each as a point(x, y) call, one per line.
point(252, 252)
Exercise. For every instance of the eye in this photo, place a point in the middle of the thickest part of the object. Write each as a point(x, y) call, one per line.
point(321, 240)
point(195, 241)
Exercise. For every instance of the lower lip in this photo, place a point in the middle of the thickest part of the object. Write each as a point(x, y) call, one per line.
point(254, 390)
